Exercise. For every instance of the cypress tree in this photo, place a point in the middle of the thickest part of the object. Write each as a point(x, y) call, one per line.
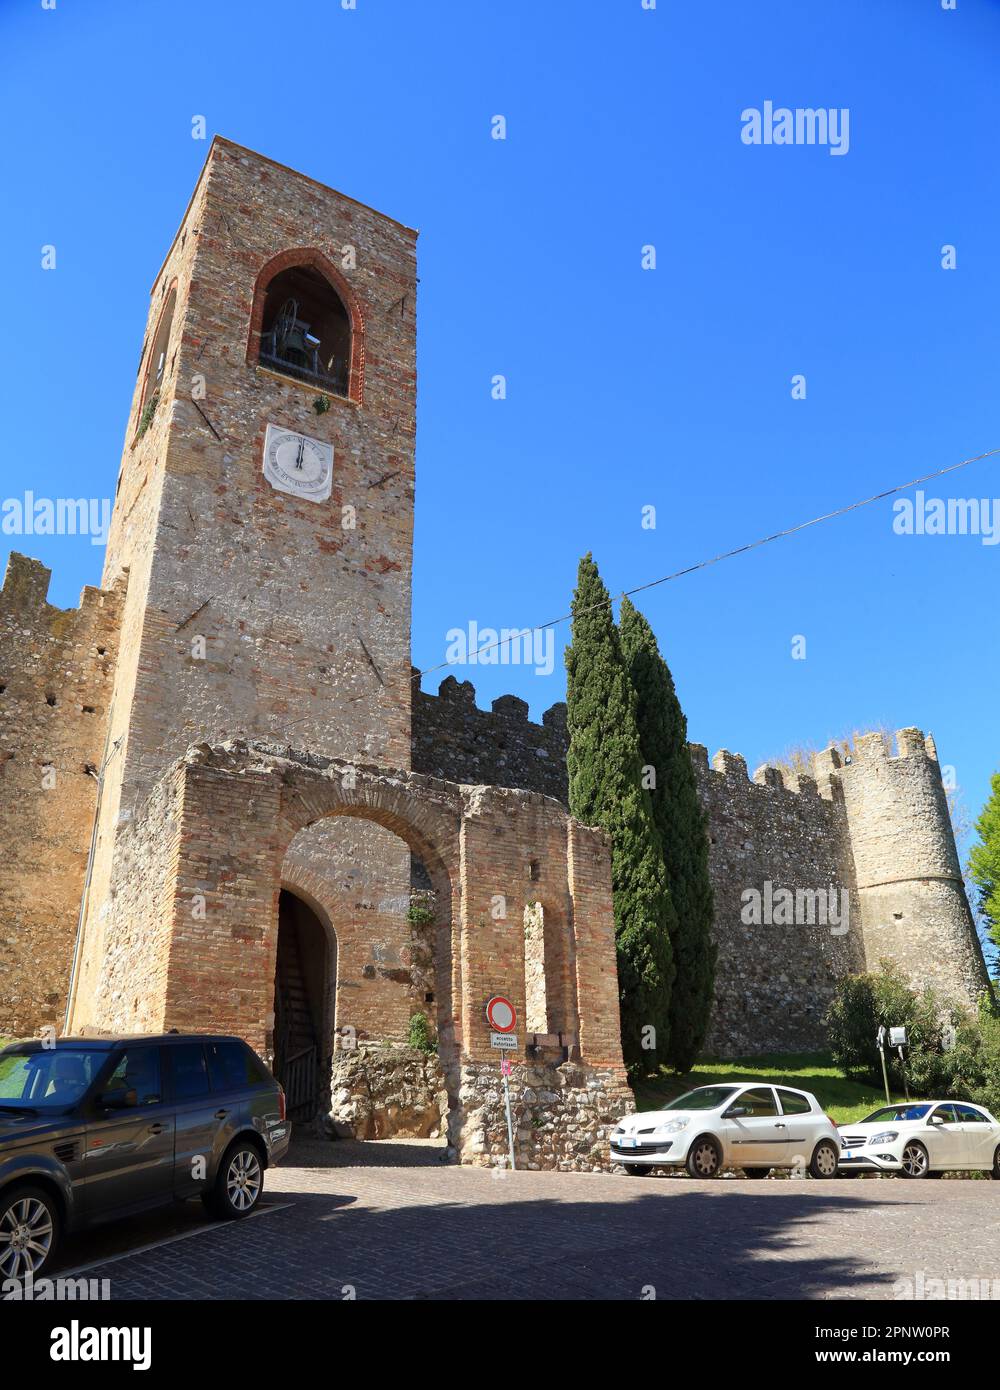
point(605, 789)
point(984, 861)
point(680, 821)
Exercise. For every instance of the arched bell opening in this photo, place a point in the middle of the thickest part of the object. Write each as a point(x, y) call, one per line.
point(305, 330)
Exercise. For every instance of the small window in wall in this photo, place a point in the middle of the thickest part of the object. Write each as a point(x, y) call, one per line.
point(306, 330)
point(156, 369)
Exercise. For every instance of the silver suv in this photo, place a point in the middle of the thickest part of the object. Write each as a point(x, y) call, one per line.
point(95, 1129)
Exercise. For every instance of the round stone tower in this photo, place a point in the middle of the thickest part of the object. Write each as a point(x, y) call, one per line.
point(914, 909)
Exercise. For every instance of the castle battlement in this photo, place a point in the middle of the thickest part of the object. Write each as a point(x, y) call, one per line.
point(25, 592)
point(455, 740)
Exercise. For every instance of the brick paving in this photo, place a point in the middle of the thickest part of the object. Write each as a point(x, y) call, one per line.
point(391, 1221)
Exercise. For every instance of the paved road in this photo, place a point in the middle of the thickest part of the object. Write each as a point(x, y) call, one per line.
point(391, 1221)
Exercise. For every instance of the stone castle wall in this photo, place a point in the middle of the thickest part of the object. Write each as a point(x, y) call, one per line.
point(774, 979)
point(873, 831)
point(56, 669)
point(454, 739)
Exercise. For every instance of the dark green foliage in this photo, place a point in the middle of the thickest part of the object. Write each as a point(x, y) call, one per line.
point(950, 1054)
point(148, 411)
point(984, 861)
point(605, 789)
point(680, 822)
point(420, 1034)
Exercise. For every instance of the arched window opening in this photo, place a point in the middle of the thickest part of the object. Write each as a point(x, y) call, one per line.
point(156, 369)
point(306, 330)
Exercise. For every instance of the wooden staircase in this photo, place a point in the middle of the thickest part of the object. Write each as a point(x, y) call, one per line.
point(296, 1059)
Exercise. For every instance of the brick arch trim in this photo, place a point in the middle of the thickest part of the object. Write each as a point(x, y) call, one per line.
point(315, 259)
point(429, 824)
point(168, 301)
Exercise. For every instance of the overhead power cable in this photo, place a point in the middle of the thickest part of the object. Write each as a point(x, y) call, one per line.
point(716, 559)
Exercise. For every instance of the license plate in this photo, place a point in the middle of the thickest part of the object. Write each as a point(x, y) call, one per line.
point(630, 1143)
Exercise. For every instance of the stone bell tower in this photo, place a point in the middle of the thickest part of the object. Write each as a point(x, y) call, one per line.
point(264, 514)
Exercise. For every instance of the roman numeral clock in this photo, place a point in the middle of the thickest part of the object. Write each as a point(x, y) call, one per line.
point(296, 464)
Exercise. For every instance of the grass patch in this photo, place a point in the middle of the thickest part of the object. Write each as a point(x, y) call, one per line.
point(843, 1099)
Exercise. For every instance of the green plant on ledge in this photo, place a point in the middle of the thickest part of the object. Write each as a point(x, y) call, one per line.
point(148, 411)
point(321, 405)
point(419, 915)
point(420, 1035)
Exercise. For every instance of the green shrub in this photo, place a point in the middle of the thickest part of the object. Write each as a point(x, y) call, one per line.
point(420, 1034)
point(883, 998)
point(949, 1053)
point(148, 411)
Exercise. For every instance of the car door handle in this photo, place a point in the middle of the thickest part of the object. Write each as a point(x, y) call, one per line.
point(156, 1129)
point(221, 1114)
point(780, 1126)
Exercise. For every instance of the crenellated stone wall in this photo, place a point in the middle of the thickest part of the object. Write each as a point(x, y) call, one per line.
point(56, 672)
point(863, 851)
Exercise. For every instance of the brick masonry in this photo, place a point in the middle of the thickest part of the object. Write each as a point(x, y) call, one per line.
point(248, 655)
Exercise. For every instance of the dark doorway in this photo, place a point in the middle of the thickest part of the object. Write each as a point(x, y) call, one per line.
point(302, 1000)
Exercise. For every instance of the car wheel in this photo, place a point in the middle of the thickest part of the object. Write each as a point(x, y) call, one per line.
point(634, 1170)
point(704, 1158)
point(996, 1164)
point(756, 1172)
point(238, 1183)
point(914, 1162)
point(825, 1160)
point(29, 1232)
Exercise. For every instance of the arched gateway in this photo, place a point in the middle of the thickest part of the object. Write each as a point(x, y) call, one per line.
point(220, 824)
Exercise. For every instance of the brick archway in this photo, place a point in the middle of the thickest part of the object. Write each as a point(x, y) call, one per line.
point(215, 834)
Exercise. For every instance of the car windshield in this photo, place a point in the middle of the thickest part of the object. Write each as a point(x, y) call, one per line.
point(704, 1098)
point(897, 1113)
point(47, 1078)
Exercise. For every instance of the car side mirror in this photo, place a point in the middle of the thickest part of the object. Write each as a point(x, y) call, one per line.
point(735, 1111)
point(118, 1100)
point(935, 1120)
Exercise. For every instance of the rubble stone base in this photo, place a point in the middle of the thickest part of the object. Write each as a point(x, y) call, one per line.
point(562, 1115)
point(378, 1092)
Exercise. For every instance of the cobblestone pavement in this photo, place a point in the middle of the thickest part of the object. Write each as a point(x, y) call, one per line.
point(391, 1221)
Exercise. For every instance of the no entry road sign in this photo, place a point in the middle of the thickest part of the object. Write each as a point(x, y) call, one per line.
point(501, 1014)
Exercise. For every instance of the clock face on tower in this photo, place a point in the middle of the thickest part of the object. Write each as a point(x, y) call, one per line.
point(297, 464)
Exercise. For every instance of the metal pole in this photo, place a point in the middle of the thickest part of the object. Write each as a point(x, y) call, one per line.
point(510, 1125)
point(885, 1074)
point(902, 1068)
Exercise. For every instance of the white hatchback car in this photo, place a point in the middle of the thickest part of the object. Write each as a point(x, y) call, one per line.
point(922, 1139)
point(746, 1126)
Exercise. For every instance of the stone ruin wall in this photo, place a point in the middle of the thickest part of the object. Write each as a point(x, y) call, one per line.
point(774, 981)
point(875, 829)
point(56, 672)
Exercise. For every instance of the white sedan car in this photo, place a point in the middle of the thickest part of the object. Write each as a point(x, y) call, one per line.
point(746, 1126)
point(922, 1139)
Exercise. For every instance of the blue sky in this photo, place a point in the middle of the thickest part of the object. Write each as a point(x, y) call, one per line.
point(626, 387)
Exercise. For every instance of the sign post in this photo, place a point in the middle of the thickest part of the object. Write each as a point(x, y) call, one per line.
point(502, 1018)
point(880, 1040)
point(898, 1040)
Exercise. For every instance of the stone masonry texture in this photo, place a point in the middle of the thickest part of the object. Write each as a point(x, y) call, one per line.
point(232, 717)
